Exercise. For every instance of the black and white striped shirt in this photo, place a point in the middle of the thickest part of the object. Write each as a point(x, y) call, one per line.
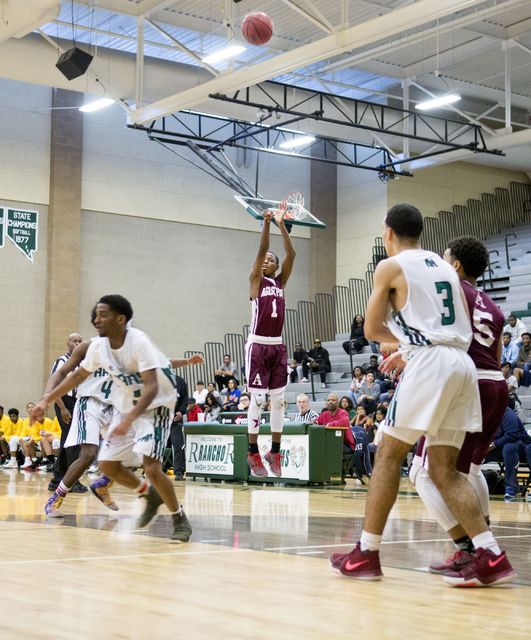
point(57, 365)
point(309, 416)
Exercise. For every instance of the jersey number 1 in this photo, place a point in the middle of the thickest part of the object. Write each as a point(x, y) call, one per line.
point(274, 313)
point(448, 316)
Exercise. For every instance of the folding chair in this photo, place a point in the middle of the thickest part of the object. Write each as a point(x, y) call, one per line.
point(349, 468)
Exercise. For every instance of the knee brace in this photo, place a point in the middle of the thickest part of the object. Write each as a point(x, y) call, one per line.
point(277, 410)
point(13, 443)
point(432, 498)
point(255, 409)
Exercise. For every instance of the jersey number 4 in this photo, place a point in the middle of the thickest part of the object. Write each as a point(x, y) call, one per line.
point(445, 290)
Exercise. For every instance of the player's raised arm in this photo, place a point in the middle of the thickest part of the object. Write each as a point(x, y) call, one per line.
point(385, 276)
point(256, 274)
point(72, 363)
point(72, 380)
point(287, 263)
point(177, 363)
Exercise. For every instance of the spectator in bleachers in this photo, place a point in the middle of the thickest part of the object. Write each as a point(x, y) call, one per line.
point(511, 443)
point(176, 429)
point(193, 410)
point(347, 404)
point(373, 367)
point(516, 328)
point(371, 428)
point(299, 366)
point(5, 424)
point(362, 460)
point(227, 371)
point(357, 380)
point(334, 416)
point(522, 372)
point(357, 336)
point(512, 384)
point(200, 393)
point(232, 397)
point(369, 393)
point(361, 416)
point(30, 438)
point(245, 401)
point(509, 349)
point(305, 413)
point(319, 360)
point(50, 443)
point(211, 408)
point(212, 390)
point(13, 431)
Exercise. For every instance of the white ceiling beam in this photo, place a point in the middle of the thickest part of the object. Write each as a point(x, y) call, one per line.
point(487, 29)
point(518, 29)
point(327, 28)
point(450, 57)
point(149, 7)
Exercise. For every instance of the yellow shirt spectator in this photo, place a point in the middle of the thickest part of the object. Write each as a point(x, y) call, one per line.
point(4, 423)
point(56, 429)
point(34, 431)
point(14, 429)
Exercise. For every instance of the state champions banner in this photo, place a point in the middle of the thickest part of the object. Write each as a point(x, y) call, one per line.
point(22, 229)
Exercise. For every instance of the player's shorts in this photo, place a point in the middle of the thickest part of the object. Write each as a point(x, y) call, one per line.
point(90, 418)
point(437, 395)
point(266, 367)
point(147, 436)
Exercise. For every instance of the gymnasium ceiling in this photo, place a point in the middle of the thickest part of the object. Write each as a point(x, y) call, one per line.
point(365, 49)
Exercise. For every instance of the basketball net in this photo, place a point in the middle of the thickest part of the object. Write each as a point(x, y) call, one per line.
point(294, 203)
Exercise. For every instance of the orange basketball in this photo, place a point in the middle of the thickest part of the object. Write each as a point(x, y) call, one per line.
point(257, 28)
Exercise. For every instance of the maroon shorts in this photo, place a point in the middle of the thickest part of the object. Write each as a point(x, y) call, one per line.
point(266, 366)
point(494, 395)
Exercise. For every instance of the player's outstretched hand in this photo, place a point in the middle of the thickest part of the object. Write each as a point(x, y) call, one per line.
point(268, 215)
point(121, 428)
point(37, 414)
point(196, 359)
point(388, 347)
point(392, 363)
point(281, 213)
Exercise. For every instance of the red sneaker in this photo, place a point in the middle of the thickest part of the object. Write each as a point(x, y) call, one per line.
point(486, 570)
point(458, 561)
point(364, 565)
point(256, 465)
point(273, 460)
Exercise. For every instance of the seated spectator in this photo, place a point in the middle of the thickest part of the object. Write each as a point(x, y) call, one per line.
point(522, 371)
point(361, 416)
point(336, 417)
point(357, 336)
point(509, 349)
point(357, 380)
point(5, 425)
point(516, 328)
point(362, 459)
point(379, 417)
point(512, 384)
point(50, 444)
point(13, 431)
point(30, 439)
point(371, 428)
point(232, 397)
point(200, 393)
point(369, 393)
point(267, 406)
point(510, 444)
point(299, 366)
point(319, 360)
point(245, 401)
point(373, 368)
point(227, 371)
point(212, 390)
point(193, 410)
point(211, 408)
point(305, 413)
point(348, 406)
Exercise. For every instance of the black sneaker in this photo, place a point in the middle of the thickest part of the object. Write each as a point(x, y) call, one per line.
point(153, 502)
point(79, 488)
point(179, 476)
point(182, 529)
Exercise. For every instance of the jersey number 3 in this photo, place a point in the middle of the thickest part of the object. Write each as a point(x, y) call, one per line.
point(448, 315)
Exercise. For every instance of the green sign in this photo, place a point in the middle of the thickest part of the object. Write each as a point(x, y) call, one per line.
point(2, 220)
point(22, 229)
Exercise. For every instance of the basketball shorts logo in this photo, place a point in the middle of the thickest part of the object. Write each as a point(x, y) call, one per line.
point(257, 381)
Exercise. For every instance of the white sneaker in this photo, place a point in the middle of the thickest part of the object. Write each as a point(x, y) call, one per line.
point(12, 464)
point(93, 468)
point(305, 380)
point(323, 386)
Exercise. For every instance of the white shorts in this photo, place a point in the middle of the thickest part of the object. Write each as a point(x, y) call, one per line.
point(147, 437)
point(90, 418)
point(437, 394)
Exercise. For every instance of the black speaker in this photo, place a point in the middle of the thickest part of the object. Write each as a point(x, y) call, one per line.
point(73, 63)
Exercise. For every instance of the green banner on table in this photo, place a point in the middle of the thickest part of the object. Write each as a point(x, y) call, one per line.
point(2, 225)
point(22, 229)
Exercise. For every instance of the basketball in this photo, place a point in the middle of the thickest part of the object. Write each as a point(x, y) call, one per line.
point(257, 28)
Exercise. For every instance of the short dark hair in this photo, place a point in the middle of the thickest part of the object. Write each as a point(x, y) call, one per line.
point(505, 364)
point(200, 382)
point(1, 408)
point(93, 314)
point(246, 395)
point(511, 315)
point(227, 356)
point(506, 333)
point(471, 253)
point(118, 304)
point(15, 411)
point(349, 400)
point(276, 257)
point(382, 409)
point(405, 221)
point(373, 356)
point(525, 333)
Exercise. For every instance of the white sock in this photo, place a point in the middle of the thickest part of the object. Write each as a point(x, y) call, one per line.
point(178, 512)
point(486, 540)
point(27, 461)
point(143, 486)
point(370, 541)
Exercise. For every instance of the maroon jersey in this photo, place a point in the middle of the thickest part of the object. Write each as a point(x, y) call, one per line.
point(487, 326)
point(268, 309)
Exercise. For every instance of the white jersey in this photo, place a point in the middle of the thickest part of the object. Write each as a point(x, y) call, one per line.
point(98, 385)
point(125, 367)
point(434, 313)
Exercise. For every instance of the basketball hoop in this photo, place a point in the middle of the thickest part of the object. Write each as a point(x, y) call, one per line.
point(294, 203)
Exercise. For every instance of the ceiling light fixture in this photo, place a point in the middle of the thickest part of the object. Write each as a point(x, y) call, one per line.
point(229, 52)
point(94, 106)
point(448, 98)
point(297, 142)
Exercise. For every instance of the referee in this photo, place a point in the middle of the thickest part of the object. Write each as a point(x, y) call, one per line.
point(64, 408)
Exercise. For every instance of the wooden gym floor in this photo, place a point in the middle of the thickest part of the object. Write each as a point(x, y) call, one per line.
point(256, 567)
